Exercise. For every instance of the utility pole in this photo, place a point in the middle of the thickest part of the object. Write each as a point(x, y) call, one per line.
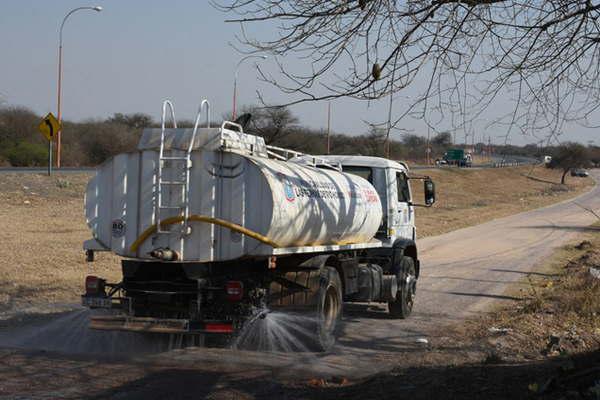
point(328, 126)
point(428, 149)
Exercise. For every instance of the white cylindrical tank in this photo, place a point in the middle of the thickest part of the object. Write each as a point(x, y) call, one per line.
point(291, 204)
point(314, 206)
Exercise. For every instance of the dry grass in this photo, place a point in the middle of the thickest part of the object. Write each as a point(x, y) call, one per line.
point(467, 197)
point(560, 310)
point(42, 226)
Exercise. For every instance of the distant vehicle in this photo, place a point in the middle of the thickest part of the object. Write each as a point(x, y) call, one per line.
point(458, 157)
point(468, 160)
point(581, 173)
point(547, 159)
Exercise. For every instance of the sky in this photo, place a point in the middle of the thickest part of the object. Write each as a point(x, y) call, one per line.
point(137, 53)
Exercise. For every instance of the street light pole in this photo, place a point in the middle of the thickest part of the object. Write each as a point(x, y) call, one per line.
point(60, 47)
point(235, 75)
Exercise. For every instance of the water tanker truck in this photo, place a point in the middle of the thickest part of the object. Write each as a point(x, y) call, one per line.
point(214, 227)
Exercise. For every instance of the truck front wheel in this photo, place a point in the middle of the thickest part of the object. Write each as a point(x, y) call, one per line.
point(407, 288)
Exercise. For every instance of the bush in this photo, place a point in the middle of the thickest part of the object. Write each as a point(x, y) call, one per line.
point(101, 140)
point(4, 162)
point(25, 154)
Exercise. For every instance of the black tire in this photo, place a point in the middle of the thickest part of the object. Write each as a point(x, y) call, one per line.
point(328, 310)
point(406, 275)
point(318, 310)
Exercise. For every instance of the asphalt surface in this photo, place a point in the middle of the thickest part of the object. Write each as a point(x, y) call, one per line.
point(44, 170)
point(463, 273)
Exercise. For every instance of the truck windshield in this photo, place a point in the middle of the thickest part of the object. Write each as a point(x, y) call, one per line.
point(363, 172)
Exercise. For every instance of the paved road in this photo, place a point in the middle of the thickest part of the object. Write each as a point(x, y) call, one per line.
point(44, 170)
point(463, 273)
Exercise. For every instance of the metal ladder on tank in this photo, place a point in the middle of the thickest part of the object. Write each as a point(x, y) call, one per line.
point(182, 180)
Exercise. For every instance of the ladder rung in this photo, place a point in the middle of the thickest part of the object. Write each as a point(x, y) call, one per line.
point(172, 182)
point(182, 164)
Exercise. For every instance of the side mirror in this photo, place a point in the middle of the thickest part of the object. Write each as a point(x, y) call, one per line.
point(429, 190)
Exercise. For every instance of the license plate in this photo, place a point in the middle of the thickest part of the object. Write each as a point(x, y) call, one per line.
point(96, 302)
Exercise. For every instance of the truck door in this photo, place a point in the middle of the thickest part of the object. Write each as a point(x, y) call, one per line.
point(404, 214)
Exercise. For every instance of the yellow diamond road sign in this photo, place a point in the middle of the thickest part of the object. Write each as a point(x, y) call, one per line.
point(49, 126)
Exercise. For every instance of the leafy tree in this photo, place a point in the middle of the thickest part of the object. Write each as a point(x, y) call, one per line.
point(24, 154)
point(569, 156)
point(594, 152)
point(18, 124)
point(134, 121)
point(414, 141)
point(100, 141)
point(442, 139)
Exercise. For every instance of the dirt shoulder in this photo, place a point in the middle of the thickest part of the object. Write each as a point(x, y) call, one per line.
point(42, 229)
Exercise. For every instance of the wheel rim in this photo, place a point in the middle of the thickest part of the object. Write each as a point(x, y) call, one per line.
point(331, 309)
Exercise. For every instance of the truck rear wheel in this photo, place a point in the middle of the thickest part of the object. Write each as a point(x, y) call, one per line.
point(329, 310)
point(319, 306)
point(407, 288)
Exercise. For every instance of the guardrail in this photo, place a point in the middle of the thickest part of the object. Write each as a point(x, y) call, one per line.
point(503, 164)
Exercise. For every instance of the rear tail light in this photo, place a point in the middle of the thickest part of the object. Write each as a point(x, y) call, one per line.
point(234, 290)
point(218, 328)
point(94, 285)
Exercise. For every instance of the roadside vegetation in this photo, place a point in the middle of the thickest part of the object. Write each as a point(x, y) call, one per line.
point(90, 142)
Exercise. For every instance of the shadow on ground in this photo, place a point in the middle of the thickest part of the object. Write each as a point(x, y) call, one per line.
point(60, 376)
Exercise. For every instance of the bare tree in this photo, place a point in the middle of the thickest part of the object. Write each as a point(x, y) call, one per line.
point(272, 123)
point(374, 142)
point(461, 55)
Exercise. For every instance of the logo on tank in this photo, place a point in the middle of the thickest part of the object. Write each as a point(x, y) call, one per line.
point(288, 189)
